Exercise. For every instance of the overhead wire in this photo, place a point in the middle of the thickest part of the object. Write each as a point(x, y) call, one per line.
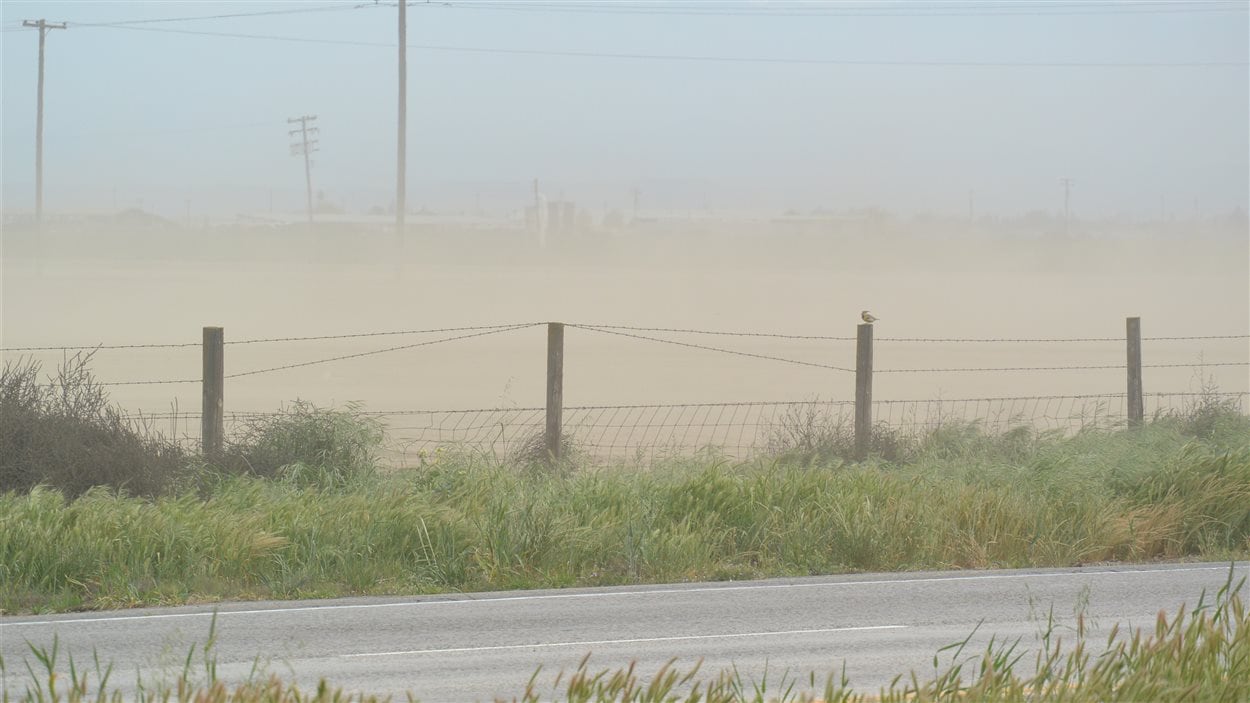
point(699, 58)
point(844, 11)
point(232, 15)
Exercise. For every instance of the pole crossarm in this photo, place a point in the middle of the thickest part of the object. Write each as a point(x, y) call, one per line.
point(305, 147)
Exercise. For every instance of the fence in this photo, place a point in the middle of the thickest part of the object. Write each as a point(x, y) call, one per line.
point(644, 432)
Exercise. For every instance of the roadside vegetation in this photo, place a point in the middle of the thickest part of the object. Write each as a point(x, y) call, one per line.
point(96, 512)
point(1197, 654)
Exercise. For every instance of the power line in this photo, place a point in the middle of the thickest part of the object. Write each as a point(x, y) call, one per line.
point(239, 35)
point(155, 131)
point(1009, 9)
point(197, 18)
point(841, 11)
point(233, 15)
point(708, 58)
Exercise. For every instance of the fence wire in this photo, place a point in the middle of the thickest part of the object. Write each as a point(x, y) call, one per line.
point(647, 433)
point(630, 328)
point(633, 332)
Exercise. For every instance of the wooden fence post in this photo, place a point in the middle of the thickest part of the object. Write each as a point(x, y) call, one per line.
point(1136, 406)
point(555, 388)
point(863, 391)
point(212, 428)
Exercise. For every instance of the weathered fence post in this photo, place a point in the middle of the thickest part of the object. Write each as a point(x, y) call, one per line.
point(555, 388)
point(863, 391)
point(212, 427)
point(1136, 406)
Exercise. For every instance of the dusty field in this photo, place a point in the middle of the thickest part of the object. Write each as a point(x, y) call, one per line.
point(72, 291)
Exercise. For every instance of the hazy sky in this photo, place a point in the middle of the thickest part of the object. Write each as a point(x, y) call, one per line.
point(142, 109)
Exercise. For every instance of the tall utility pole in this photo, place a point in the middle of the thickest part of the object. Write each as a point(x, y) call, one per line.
point(43, 26)
point(1067, 193)
point(306, 147)
point(401, 144)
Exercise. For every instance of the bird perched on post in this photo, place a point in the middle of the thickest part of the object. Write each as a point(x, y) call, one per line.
point(867, 317)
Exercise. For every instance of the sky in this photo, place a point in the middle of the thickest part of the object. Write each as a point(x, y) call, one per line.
point(903, 106)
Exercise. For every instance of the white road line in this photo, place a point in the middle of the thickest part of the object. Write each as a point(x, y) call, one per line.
point(486, 598)
point(583, 643)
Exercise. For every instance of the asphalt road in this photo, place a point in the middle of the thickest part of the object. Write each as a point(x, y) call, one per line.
point(485, 646)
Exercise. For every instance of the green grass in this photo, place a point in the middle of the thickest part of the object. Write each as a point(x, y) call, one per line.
point(464, 522)
point(1198, 654)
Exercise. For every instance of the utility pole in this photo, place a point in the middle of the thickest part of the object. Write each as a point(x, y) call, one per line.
point(43, 26)
point(1067, 191)
point(401, 142)
point(306, 147)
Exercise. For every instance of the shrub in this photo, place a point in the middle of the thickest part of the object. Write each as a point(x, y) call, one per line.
point(66, 434)
point(306, 445)
point(531, 454)
point(1212, 417)
point(809, 435)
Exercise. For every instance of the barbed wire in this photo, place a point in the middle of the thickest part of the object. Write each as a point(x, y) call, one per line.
point(714, 349)
point(148, 383)
point(1196, 365)
point(357, 335)
point(489, 331)
point(944, 340)
point(683, 330)
point(101, 347)
point(360, 335)
point(632, 328)
point(1049, 340)
point(381, 351)
point(813, 337)
point(1088, 367)
point(161, 382)
point(1185, 339)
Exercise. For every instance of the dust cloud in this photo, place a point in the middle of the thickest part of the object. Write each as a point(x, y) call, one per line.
point(984, 170)
point(102, 284)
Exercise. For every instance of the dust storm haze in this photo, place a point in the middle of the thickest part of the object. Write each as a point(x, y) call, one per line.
point(963, 170)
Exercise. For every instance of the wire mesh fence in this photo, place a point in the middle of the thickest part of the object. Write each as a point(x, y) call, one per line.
point(644, 434)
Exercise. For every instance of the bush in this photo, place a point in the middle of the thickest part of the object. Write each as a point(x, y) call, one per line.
point(809, 435)
point(306, 445)
point(66, 434)
point(530, 454)
point(1211, 416)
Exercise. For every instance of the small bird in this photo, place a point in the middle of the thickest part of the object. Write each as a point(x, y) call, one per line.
point(867, 317)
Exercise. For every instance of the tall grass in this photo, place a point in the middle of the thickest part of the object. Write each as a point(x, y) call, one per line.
point(468, 522)
point(1199, 654)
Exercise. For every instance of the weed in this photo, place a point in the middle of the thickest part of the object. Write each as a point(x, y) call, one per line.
point(810, 434)
point(305, 445)
point(66, 434)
